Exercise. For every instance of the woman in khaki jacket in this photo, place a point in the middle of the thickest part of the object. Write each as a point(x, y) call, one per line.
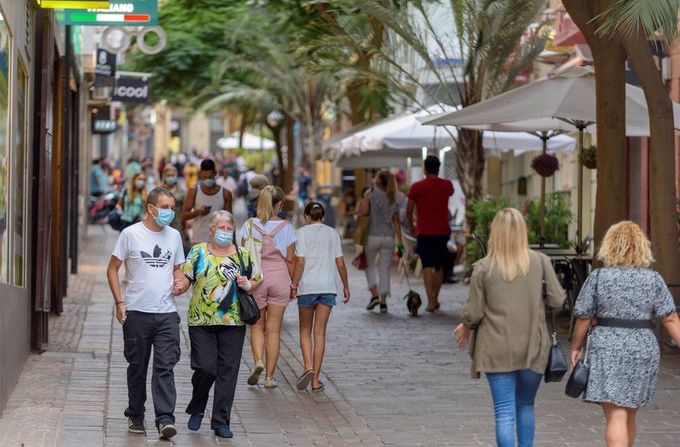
point(506, 310)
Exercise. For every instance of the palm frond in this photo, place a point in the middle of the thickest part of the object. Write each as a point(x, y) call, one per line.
point(649, 17)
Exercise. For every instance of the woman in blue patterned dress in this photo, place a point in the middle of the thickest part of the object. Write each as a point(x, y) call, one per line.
point(621, 299)
point(216, 269)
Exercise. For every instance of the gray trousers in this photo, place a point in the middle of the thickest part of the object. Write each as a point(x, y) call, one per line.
point(141, 332)
point(384, 247)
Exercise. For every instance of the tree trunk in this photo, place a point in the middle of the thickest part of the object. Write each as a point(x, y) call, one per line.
point(610, 57)
point(662, 201)
point(276, 132)
point(289, 173)
point(469, 167)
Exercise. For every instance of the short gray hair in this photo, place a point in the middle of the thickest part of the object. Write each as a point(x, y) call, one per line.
point(156, 193)
point(221, 215)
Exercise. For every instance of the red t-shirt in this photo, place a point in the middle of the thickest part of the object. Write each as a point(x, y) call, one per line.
point(431, 196)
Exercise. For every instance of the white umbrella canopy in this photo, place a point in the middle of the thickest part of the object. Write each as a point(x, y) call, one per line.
point(250, 142)
point(405, 132)
point(564, 101)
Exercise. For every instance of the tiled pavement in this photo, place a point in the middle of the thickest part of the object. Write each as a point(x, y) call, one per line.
point(390, 380)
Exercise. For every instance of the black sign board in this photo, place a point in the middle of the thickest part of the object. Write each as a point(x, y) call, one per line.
point(105, 70)
point(131, 90)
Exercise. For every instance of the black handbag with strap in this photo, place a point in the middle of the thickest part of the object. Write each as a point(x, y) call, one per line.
point(557, 362)
point(578, 379)
point(250, 313)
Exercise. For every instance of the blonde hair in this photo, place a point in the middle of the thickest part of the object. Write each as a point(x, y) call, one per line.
point(508, 245)
point(626, 244)
point(269, 197)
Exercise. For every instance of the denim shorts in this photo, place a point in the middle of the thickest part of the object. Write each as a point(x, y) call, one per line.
point(327, 299)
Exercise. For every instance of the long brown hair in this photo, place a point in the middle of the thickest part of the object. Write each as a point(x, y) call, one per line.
point(386, 179)
point(132, 191)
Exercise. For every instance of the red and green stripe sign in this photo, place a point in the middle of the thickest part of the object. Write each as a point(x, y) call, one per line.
point(119, 12)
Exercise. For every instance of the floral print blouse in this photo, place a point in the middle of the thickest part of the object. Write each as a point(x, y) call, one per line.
point(214, 301)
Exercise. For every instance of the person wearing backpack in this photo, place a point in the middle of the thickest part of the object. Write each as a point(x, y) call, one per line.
point(277, 261)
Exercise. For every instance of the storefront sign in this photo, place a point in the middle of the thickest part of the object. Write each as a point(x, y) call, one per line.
point(105, 70)
point(131, 90)
point(119, 12)
point(73, 4)
point(103, 126)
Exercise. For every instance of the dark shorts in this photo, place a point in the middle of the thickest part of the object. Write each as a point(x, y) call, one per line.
point(432, 250)
point(327, 299)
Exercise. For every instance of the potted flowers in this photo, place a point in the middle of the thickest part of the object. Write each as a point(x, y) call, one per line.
point(545, 164)
point(588, 157)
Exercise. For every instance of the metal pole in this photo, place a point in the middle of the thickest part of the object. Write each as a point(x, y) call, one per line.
point(541, 232)
point(579, 211)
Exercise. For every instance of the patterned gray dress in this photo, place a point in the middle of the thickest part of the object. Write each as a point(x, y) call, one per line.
point(624, 363)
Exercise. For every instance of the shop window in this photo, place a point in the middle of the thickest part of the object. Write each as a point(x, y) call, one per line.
point(4, 147)
point(19, 178)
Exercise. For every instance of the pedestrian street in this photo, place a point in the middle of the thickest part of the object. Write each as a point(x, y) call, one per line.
point(391, 380)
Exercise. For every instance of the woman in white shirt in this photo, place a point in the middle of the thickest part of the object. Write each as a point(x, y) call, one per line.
point(318, 254)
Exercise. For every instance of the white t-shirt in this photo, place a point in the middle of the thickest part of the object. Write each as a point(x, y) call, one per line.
point(150, 258)
point(285, 237)
point(320, 245)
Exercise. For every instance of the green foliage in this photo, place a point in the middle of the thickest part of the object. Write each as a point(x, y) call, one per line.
point(197, 31)
point(482, 213)
point(631, 17)
point(558, 216)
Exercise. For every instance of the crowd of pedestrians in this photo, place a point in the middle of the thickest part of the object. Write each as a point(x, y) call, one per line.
point(504, 320)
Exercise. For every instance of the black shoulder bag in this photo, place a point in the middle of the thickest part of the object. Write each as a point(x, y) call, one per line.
point(578, 380)
point(557, 362)
point(250, 313)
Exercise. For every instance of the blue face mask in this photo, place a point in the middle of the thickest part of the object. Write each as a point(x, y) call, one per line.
point(164, 217)
point(281, 214)
point(171, 180)
point(223, 238)
point(209, 182)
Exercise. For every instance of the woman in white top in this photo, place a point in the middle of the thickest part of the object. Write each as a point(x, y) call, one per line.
point(277, 259)
point(318, 253)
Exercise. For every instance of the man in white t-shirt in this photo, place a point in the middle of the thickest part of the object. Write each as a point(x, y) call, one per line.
point(153, 253)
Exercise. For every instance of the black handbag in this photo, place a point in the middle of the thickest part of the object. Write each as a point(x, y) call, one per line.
point(557, 365)
point(250, 313)
point(578, 380)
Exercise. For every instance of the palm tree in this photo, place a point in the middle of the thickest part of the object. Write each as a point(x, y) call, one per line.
point(616, 30)
point(480, 55)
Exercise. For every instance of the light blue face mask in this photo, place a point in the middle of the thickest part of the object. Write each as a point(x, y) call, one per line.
point(209, 182)
point(164, 217)
point(223, 238)
point(171, 180)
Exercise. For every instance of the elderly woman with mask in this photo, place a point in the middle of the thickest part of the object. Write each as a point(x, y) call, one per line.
point(217, 269)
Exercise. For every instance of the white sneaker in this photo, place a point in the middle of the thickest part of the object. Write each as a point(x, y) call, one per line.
point(255, 375)
point(270, 382)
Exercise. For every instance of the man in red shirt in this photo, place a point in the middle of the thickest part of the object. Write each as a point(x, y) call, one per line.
point(430, 197)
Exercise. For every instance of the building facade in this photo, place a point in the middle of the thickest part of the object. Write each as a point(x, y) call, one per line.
point(40, 162)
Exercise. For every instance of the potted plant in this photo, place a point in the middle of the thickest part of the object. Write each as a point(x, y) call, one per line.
point(545, 164)
point(588, 157)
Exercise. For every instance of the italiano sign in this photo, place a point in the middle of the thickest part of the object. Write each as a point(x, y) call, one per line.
point(118, 13)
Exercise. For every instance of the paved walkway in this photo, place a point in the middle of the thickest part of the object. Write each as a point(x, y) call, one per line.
point(391, 380)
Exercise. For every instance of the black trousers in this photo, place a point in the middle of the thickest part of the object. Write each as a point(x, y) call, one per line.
point(141, 332)
point(215, 358)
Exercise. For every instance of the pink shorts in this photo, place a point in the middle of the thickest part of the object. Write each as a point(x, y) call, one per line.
point(274, 288)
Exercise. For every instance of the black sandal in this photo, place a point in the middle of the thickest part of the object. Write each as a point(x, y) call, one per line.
point(319, 388)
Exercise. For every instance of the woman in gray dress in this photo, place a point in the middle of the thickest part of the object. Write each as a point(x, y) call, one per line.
point(620, 300)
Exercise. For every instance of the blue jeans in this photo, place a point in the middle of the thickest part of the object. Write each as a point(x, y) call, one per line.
point(513, 395)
